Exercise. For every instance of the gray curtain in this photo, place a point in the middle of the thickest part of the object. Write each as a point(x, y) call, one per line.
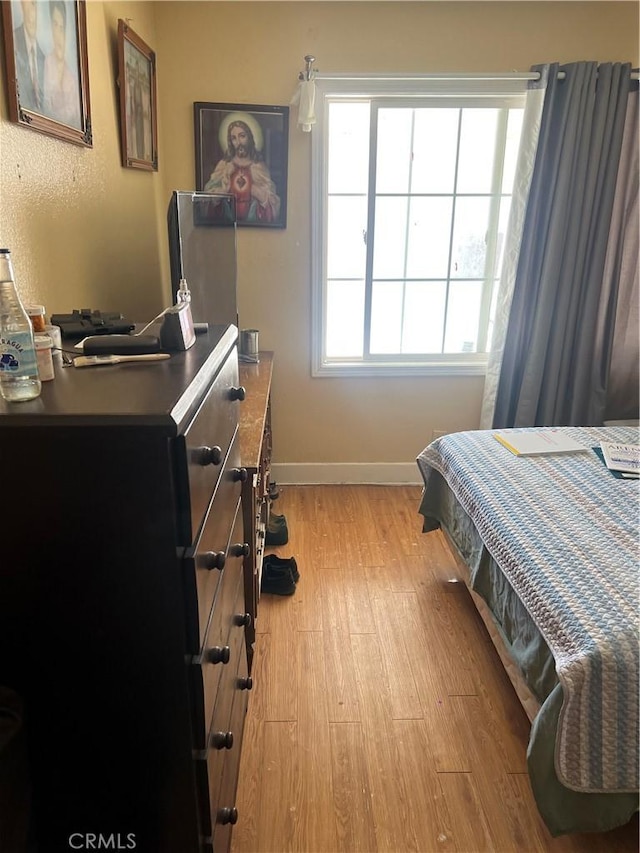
point(623, 267)
point(556, 353)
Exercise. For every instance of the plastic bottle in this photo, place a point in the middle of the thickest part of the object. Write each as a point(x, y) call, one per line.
point(19, 378)
point(183, 294)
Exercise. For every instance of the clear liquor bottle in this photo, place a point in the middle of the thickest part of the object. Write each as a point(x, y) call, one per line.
point(19, 378)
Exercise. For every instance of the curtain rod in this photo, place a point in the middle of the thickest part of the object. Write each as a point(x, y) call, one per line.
point(515, 75)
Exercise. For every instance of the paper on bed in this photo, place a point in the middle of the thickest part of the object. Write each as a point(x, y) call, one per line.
point(533, 442)
point(621, 457)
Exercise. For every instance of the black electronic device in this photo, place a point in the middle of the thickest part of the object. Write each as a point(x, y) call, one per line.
point(83, 322)
point(121, 345)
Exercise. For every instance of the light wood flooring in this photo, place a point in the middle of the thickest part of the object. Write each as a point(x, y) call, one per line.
point(381, 718)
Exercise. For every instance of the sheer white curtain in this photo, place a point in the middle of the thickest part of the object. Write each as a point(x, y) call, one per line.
point(522, 182)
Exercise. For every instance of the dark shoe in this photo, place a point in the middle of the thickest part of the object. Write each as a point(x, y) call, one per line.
point(273, 540)
point(274, 491)
point(277, 581)
point(278, 563)
point(277, 531)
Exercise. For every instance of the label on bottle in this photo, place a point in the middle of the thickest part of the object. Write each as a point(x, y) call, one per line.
point(17, 355)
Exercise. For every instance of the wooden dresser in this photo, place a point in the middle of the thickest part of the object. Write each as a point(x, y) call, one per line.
point(255, 455)
point(122, 615)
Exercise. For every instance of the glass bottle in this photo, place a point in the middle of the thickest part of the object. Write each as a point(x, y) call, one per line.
point(19, 378)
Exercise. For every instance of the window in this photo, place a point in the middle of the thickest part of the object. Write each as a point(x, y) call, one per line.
point(411, 198)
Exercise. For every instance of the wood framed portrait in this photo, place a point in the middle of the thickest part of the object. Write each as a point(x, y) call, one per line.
point(241, 149)
point(47, 68)
point(138, 104)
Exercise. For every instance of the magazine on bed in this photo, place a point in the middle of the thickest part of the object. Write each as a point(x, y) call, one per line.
point(621, 457)
point(531, 442)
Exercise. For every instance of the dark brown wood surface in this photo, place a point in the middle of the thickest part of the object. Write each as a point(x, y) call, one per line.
point(256, 379)
point(95, 601)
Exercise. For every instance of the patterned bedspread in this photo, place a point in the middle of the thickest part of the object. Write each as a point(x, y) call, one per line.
point(565, 531)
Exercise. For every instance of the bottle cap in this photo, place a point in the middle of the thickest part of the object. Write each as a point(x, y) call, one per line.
point(34, 310)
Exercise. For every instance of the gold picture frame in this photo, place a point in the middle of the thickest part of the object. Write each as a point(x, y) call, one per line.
point(138, 103)
point(47, 67)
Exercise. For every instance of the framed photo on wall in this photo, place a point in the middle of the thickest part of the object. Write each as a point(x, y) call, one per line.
point(138, 104)
point(47, 69)
point(241, 149)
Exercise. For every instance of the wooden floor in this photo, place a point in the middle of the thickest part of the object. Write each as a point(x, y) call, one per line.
point(381, 718)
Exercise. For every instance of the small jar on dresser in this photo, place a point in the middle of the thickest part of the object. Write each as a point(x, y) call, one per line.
point(122, 614)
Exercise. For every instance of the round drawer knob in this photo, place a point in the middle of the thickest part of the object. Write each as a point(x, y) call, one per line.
point(239, 475)
point(212, 560)
point(240, 550)
point(225, 816)
point(242, 620)
point(218, 654)
point(222, 740)
point(237, 393)
point(208, 455)
point(245, 683)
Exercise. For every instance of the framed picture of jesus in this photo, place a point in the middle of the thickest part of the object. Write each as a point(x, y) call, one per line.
point(241, 149)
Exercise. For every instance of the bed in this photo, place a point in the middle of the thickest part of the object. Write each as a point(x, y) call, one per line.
point(550, 545)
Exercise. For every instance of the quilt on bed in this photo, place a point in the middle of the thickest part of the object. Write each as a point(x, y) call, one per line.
point(564, 532)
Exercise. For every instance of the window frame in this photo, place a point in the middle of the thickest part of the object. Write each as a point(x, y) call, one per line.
point(456, 91)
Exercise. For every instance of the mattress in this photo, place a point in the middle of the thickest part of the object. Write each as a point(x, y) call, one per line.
point(552, 546)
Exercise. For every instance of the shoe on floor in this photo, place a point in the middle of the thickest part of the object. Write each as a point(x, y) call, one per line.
point(272, 562)
point(273, 540)
point(277, 581)
point(277, 531)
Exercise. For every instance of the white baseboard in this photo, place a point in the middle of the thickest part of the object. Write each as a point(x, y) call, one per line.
point(319, 473)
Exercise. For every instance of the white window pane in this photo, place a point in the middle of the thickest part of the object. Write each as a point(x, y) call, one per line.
point(477, 146)
point(346, 226)
point(514, 128)
point(386, 317)
point(348, 159)
point(429, 237)
point(345, 319)
point(434, 150)
point(390, 237)
point(471, 219)
point(423, 317)
point(394, 150)
point(463, 311)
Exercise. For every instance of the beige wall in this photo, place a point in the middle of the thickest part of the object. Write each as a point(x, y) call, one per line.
point(83, 231)
point(87, 232)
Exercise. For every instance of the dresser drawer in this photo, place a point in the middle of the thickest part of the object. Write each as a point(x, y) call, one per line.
point(225, 637)
point(217, 769)
point(204, 565)
point(206, 441)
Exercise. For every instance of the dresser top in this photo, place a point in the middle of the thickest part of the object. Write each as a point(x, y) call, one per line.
point(159, 394)
point(256, 379)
